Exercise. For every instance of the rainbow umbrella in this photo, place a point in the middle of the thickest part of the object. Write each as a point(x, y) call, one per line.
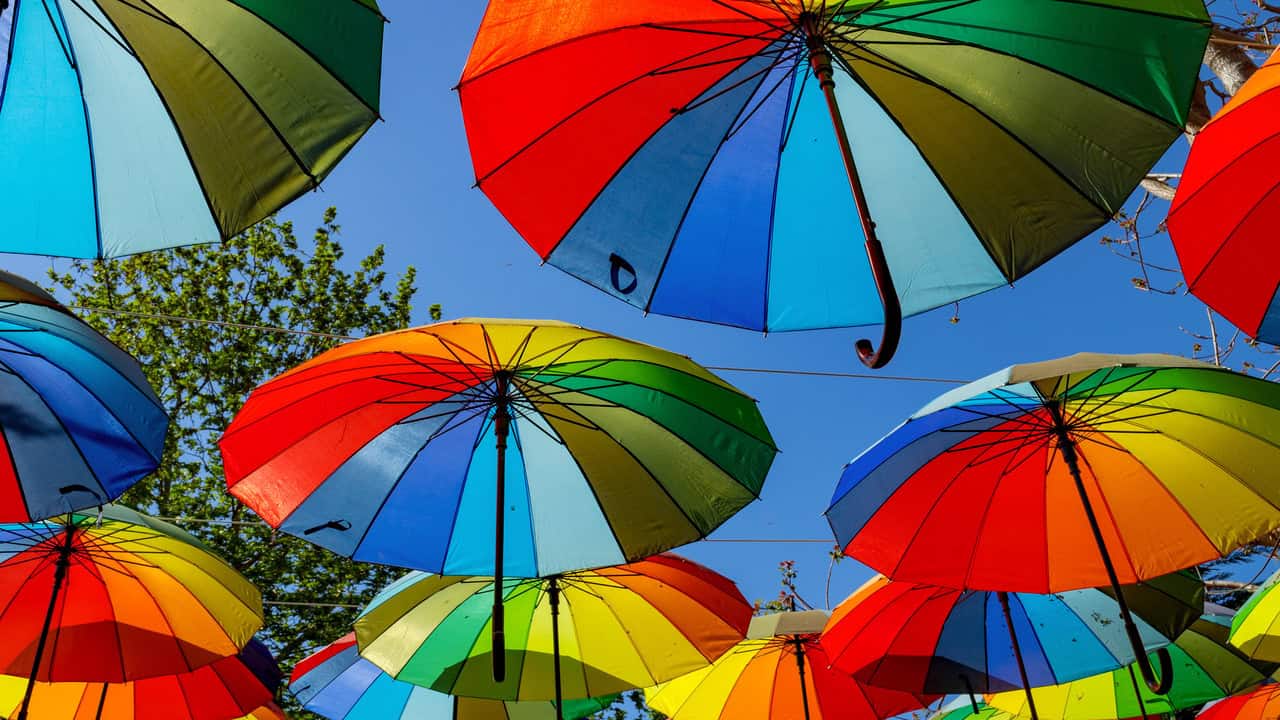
point(692, 158)
point(1158, 462)
point(1206, 666)
point(502, 448)
point(228, 688)
point(1255, 629)
point(1224, 213)
point(337, 683)
point(79, 424)
point(1260, 704)
point(116, 598)
point(134, 126)
point(623, 627)
point(927, 639)
point(779, 672)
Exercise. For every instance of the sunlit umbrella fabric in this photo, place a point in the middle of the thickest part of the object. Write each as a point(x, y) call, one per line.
point(1255, 629)
point(1226, 207)
point(621, 628)
point(141, 599)
point(79, 424)
point(680, 155)
point(973, 490)
point(337, 683)
point(935, 640)
point(1260, 704)
point(1205, 668)
point(134, 127)
point(385, 449)
point(223, 690)
point(760, 679)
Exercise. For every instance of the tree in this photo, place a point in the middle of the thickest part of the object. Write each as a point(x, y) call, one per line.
point(205, 322)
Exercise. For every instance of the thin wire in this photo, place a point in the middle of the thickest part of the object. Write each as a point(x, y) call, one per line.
point(334, 336)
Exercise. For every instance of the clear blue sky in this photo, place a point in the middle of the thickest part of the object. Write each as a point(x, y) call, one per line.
point(408, 186)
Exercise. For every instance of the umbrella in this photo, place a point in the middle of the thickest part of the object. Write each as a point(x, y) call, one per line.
point(1255, 629)
point(1226, 206)
point(116, 598)
point(593, 450)
point(133, 127)
point(78, 422)
point(681, 156)
point(1260, 704)
point(969, 709)
point(1158, 462)
point(1207, 669)
point(940, 641)
point(225, 689)
point(779, 672)
point(337, 683)
point(624, 627)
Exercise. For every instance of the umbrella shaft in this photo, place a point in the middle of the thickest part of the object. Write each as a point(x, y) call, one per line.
point(1067, 447)
point(804, 691)
point(821, 64)
point(59, 576)
point(1017, 654)
point(501, 428)
point(553, 590)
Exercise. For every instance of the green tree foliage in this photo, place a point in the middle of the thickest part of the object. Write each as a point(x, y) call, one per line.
point(151, 305)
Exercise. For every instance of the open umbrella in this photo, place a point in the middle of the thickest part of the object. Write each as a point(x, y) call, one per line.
point(78, 422)
point(1260, 704)
point(1207, 669)
point(1085, 471)
point(680, 156)
point(136, 126)
point(779, 672)
point(226, 689)
point(337, 683)
point(933, 640)
point(503, 448)
point(623, 627)
point(1255, 629)
point(969, 709)
point(116, 598)
point(1226, 208)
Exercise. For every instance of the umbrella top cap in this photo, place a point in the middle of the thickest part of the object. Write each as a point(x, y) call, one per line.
point(1034, 372)
point(806, 622)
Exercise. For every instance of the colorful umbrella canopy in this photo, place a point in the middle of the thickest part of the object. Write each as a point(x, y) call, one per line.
point(1225, 209)
point(270, 711)
point(1158, 462)
point(137, 129)
point(78, 423)
point(618, 628)
point(779, 672)
point(395, 449)
point(1255, 629)
point(939, 641)
point(1260, 704)
point(337, 683)
point(116, 598)
point(223, 690)
point(1206, 667)
point(681, 156)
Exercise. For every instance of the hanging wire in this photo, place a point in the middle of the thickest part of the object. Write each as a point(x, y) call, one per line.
point(334, 336)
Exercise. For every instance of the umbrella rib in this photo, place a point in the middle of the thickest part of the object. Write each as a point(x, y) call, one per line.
point(783, 79)
point(128, 50)
point(699, 102)
point(791, 22)
point(1112, 397)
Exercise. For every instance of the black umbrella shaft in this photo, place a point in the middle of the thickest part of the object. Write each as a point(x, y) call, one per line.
point(821, 64)
point(1017, 654)
point(1067, 446)
point(553, 592)
point(804, 691)
point(102, 702)
point(59, 577)
point(501, 428)
point(1137, 693)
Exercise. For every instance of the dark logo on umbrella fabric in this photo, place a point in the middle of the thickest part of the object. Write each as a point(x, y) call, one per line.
point(620, 272)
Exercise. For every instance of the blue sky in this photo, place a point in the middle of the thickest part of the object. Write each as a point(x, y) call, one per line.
point(408, 186)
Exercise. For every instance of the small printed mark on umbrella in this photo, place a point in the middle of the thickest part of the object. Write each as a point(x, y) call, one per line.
point(618, 266)
point(339, 525)
point(69, 489)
